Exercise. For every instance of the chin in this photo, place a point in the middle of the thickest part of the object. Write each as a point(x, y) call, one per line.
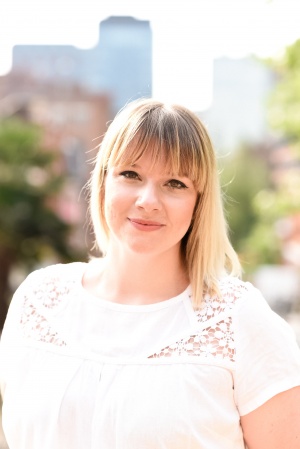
point(150, 249)
point(143, 249)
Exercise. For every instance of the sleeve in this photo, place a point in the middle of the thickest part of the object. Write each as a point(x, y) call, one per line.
point(267, 354)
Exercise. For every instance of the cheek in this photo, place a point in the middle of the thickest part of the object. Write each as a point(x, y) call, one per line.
point(110, 209)
point(184, 215)
point(114, 206)
point(108, 205)
point(188, 208)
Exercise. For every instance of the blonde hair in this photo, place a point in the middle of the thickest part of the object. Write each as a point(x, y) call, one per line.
point(175, 133)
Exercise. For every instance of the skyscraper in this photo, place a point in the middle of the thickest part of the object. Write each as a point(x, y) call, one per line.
point(125, 59)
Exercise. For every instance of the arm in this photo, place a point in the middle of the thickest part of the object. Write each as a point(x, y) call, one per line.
point(275, 424)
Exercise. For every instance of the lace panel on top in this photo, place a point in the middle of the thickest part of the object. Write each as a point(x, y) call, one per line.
point(47, 294)
point(217, 339)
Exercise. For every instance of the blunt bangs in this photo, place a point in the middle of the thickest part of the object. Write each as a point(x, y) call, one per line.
point(169, 136)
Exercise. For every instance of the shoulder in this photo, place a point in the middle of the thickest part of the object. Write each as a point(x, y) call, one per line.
point(42, 295)
point(249, 309)
point(48, 287)
point(53, 281)
point(59, 272)
point(239, 295)
point(232, 290)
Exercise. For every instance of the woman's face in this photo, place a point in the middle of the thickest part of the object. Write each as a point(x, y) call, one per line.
point(148, 209)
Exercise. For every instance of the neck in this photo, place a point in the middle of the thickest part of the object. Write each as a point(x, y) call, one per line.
point(138, 279)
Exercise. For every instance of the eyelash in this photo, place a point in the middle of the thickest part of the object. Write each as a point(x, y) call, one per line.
point(175, 184)
point(129, 174)
point(172, 183)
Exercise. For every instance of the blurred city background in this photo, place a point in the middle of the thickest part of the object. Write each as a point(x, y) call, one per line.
point(236, 64)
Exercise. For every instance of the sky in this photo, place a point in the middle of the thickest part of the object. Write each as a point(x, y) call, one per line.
point(187, 34)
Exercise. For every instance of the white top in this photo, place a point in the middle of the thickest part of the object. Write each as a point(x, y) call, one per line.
point(82, 372)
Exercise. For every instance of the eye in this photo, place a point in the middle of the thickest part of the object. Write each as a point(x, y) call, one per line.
point(128, 174)
point(175, 184)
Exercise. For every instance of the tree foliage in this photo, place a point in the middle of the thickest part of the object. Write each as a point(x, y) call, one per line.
point(284, 115)
point(30, 229)
point(284, 105)
point(260, 207)
point(250, 208)
point(243, 176)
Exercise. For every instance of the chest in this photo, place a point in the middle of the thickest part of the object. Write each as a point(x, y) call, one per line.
point(158, 403)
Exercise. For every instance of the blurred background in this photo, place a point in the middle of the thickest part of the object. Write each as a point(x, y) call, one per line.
point(67, 67)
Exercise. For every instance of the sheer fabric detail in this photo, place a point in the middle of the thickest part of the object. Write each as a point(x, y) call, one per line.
point(47, 295)
point(214, 341)
point(231, 289)
point(217, 339)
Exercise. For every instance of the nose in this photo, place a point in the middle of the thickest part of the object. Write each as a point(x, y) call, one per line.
point(148, 198)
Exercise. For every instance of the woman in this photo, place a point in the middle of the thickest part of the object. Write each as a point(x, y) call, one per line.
point(158, 344)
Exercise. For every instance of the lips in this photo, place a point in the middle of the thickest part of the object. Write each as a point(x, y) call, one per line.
point(145, 222)
point(145, 225)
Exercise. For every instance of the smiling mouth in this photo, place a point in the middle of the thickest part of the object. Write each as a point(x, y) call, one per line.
point(145, 222)
point(145, 225)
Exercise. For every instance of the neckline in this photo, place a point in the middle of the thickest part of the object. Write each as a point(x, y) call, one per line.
point(102, 302)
